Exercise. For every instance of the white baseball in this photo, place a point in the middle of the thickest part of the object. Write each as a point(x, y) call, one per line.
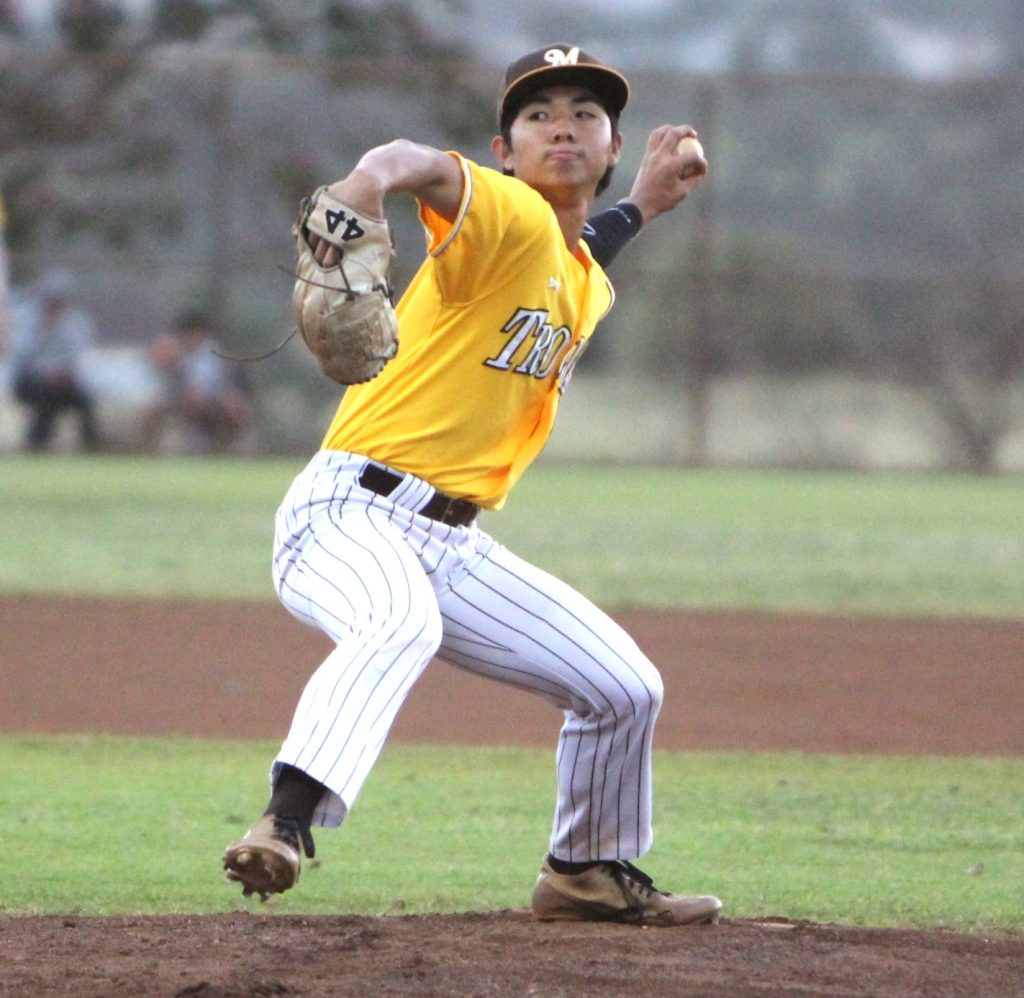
point(688, 146)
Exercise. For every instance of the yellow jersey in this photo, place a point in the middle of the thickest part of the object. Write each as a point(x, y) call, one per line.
point(489, 330)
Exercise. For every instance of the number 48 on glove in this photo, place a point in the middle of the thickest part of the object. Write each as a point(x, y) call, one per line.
point(345, 312)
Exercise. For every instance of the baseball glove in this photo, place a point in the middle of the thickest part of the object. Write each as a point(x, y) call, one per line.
point(345, 313)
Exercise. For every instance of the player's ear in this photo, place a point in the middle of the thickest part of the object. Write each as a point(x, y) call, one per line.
point(502, 152)
point(616, 149)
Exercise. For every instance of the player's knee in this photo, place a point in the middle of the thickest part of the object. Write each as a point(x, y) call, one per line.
point(430, 624)
point(653, 692)
point(637, 694)
point(411, 623)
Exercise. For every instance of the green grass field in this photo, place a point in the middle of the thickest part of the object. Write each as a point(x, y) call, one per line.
point(128, 825)
point(103, 825)
point(892, 544)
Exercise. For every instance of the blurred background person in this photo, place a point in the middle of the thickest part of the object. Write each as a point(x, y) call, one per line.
point(202, 396)
point(50, 336)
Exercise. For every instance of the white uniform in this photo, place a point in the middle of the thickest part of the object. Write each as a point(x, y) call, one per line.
point(394, 588)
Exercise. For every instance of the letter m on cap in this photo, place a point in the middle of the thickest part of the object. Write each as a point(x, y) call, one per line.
point(559, 58)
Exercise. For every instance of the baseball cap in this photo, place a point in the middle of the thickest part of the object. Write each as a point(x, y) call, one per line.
point(558, 64)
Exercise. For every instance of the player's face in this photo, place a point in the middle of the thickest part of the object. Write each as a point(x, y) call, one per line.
point(562, 141)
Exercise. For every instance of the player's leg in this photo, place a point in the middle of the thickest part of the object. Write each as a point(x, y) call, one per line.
point(36, 395)
point(510, 621)
point(358, 580)
point(41, 427)
point(84, 405)
point(351, 573)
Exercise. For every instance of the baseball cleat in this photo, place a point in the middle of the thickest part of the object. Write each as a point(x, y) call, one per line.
point(616, 892)
point(267, 860)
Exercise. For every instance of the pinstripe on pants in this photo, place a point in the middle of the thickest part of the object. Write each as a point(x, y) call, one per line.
point(392, 589)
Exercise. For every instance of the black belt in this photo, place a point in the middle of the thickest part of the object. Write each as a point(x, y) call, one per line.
point(444, 509)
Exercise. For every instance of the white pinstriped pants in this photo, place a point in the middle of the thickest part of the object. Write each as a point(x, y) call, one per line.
point(393, 588)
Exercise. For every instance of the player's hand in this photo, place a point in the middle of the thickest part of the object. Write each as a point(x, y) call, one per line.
point(325, 254)
point(659, 185)
point(362, 192)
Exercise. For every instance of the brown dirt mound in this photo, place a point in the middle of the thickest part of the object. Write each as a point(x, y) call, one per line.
point(500, 953)
point(733, 682)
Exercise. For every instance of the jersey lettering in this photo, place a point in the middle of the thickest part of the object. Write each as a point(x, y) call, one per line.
point(541, 359)
point(524, 322)
point(569, 363)
point(544, 352)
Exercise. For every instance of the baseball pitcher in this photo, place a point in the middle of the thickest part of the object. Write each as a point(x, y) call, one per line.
point(453, 394)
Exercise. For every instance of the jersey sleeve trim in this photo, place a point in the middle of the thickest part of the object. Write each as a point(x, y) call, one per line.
point(611, 295)
point(586, 256)
point(440, 232)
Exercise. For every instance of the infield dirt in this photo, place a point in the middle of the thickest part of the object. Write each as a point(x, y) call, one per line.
point(803, 683)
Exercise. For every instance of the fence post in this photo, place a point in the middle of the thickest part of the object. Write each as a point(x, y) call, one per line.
point(697, 360)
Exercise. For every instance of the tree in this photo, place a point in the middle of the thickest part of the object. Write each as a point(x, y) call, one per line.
point(98, 117)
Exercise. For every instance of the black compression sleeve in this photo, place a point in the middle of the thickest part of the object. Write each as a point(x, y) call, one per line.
point(607, 232)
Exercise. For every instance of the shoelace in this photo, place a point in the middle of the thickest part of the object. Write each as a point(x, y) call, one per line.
point(633, 883)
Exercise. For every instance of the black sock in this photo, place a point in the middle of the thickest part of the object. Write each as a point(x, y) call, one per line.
point(570, 869)
point(295, 795)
